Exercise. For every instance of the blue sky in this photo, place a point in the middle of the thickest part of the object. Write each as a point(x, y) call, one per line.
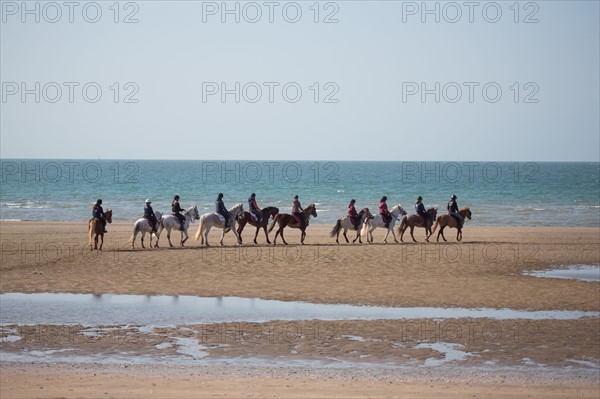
point(369, 70)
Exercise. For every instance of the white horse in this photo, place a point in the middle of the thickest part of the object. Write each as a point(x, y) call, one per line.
point(377, 221)
point(208, 220)
point(170, 222)
point(346, 223)
point(142, 226)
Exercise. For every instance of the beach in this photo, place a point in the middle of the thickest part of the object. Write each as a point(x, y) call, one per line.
point(419, 356)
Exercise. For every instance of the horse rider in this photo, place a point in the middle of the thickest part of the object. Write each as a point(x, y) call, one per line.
point(177, 211)
point(420, 209)
point(149, 215)
point(453, 211)
point(298, 211)
point(220, 209)
point(98, 213)
point(386, 216)
point(254, 209)
point(353, 215)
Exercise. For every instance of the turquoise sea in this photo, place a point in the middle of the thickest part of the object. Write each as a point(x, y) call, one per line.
point(499, 193)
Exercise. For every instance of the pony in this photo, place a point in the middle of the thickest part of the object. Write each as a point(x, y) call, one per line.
point(449, 221)
point(377, 221)
point(346, 223)
point(285, 219)
point(171, 222)
point(413, 221)
point(143, 226)
point(247, 217)
point(208, 220)
point(96, 229)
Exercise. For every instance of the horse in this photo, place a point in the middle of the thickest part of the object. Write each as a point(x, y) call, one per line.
point(96, 228)
point(413, 221)
point(208, 220)
point(377, 221)
point(285, 219)
point(346, 223)
point(450, 221)
point(248, 217)
point(143, 226)
point(171, 222)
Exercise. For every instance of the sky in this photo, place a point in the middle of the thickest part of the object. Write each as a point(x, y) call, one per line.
point(305, 80)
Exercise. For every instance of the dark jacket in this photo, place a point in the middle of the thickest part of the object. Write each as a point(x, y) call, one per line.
point(98, 212)
point(149, 212)
point(452, 206)
point(420, 208)
point(175, 207)
point(220, 207)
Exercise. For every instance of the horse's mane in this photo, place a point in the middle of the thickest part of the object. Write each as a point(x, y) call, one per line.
point(269, 208)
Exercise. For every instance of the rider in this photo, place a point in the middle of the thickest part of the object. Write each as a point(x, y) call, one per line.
point(383, 211)
point(453, 211)
point(149, 214)
point(253, 207)
point(420, 208)
point(177, 211)
point(352, 214)
point(98, 213)
point(298, 211)
point(220, 209)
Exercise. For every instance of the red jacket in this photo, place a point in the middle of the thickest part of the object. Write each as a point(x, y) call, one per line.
point(352, 211)
point(383, 209)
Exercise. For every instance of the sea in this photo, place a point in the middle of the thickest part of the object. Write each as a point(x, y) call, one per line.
point(498, 193)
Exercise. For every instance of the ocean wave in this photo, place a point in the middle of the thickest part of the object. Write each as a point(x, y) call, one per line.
point(11, 220)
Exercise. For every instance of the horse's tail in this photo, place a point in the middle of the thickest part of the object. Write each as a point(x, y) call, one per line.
point(275, 218)
point(91, 228)
point(336, 229)
point(402, 226)
point(435, 226)
point(200, 228)
point(136, 229)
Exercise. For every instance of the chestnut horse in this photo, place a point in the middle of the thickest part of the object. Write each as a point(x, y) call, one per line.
point(449, 221)
point(246, 217)
point(285, 219)
point(96, 228)
point(413, 221)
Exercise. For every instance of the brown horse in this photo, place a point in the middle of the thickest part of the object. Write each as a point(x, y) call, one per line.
point(96, 228)
point(413, 221)
point(246, 217)
point(285, 219)
point(449, 221)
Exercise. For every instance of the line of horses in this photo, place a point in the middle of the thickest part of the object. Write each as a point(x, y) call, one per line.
point(367, 223)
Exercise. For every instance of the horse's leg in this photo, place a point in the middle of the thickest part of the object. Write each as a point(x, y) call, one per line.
point(169, 237)
point(222, 235)
point(183, 240)
point(393, 232)
point(442, 232)
point(142, 239)
point(101, 241)
point(345, 236)
point(281, 233)
point(459, 235)
point(266, 234)
point(240, 228)
point(302, 237)
point(387, 233)
point(412, 228)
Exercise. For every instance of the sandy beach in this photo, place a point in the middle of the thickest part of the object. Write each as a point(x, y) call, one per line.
point(541, 358)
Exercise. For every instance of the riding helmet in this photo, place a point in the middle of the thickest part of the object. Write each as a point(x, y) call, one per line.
point(176, 197)
point(419, 198)
point(99, 201)
point(352, 201)
point(148, 201)
point(296, 196)
point(253, 195)
point(220, 195)
point(454, 197)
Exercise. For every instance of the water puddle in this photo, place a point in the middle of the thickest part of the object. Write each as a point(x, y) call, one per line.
point(53, 308)
point(573, 272)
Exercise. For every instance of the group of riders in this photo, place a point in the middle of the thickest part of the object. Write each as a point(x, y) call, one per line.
point(297, 210)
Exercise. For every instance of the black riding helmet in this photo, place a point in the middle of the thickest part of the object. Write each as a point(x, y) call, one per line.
point(384, 198)
point(176, 197)
point(352, 201)
point(252, 195)
point(99, 201)
point(220, 196)
point(419, 198)
point(454, 197)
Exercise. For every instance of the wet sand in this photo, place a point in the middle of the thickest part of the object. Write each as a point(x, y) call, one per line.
point(484, 270)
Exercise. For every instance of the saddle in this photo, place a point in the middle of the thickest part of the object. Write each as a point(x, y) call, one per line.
point(253, 217)
point(296, 219)
point(149, 221)
point(221, 217)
